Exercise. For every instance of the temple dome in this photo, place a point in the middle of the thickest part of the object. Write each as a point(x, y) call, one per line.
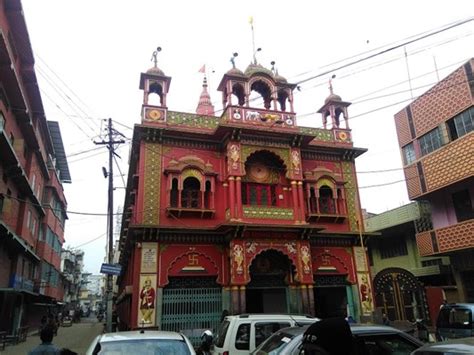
point(332, 97)
point(235, 71)
point(280, 79)
point(155, 71)
point(257, 69)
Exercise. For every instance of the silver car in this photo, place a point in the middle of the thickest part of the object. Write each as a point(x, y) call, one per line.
point(370, 339)
point(449, 347)
point(141, 342)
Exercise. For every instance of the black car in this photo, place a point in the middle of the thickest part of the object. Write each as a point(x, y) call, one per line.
point(370, 340)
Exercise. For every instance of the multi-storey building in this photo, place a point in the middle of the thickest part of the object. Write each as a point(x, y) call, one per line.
point(33, 167)
point(241, 210)
point(436, 138)
point(407, 286)
point(71, 269)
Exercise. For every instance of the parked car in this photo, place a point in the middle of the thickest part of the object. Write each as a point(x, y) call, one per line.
point(455, 321)
point(448, 347)
point(370, 340)
point(240, 334)
point(141, 342)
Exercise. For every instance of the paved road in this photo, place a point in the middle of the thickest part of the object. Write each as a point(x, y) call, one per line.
point(77, 338)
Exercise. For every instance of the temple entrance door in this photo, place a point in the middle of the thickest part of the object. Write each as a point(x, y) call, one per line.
point(400, 295)
point(330, 296)
point(267, 291)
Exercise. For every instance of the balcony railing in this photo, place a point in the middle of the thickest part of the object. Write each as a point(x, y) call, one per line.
point(456, 237)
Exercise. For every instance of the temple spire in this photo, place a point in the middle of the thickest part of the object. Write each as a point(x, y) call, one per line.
point(205, 106)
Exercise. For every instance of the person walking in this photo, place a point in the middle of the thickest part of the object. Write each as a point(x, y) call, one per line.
point(46, 347)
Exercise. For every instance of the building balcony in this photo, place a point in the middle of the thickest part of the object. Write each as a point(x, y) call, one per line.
point(448, 165)
point(190, 212)
point(447, 239)
point(267, 212)
point(21, 284)
point(325, 210)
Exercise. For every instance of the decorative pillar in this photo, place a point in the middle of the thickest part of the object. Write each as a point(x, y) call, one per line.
point(243, 306)
point(301, 200)
point(235, 300)
point(311, 299)
point(226, 195)
point(304, 298)
point(232, 196)
point(294, 192)
point(238, 183)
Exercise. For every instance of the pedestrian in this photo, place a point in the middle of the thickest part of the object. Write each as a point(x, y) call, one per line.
point(52, 324)
point(330, 336)
point(44, 321)
point(385, 320)
point(46, 347)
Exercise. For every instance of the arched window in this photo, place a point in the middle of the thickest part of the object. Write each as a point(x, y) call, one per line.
point(190, 195)
point(260, 91)
point(326, 200)
point(282, 99)
point(155, 96)
point(174, 193)
point(238, 95)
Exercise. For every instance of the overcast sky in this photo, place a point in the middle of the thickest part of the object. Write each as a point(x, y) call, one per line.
point(89, 56)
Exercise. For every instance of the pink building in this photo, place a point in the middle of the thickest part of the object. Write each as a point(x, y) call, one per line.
point(436, 138)
point(33, 168)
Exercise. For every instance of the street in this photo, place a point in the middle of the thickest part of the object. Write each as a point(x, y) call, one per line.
point(76, 338)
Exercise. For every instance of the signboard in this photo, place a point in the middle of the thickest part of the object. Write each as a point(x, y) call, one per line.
point(111, 269)
point(148, 261)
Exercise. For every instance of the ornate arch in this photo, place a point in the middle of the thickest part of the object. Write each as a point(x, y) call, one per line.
point(283, 155)
point(174, 266)
point(192, 172)
point(326, 181)
point(384, 278)
point(253, 257)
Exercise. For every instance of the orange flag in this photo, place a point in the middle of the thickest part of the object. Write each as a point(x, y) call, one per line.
point(203, 69)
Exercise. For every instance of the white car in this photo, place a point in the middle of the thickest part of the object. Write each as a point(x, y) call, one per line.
point(141, 342)
point(241, 334)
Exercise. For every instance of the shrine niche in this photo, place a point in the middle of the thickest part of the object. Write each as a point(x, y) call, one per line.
point(325, 195)
point(191, 187)
point(333, 261)
point(195, 261)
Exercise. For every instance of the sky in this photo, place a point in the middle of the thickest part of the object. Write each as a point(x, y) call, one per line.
point(89, 55)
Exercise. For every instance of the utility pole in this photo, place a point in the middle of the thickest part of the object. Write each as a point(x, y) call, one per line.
point(110, 218)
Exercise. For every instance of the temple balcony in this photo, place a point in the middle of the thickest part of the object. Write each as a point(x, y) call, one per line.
point(447, 239)
point(267, 212)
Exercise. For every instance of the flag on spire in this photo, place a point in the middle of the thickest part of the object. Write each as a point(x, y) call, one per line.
point(203, 69)
point(251, 20)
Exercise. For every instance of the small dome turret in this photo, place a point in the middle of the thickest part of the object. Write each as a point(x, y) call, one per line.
point(235, 72)
point(257, 68)
point(155, 71)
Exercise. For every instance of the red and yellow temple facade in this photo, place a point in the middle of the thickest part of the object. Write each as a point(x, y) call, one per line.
point(241, 211)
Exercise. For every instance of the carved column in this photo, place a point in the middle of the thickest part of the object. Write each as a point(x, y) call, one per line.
point(294, 192)
point(232, 196)
point(301, 200)
point(238, 191)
